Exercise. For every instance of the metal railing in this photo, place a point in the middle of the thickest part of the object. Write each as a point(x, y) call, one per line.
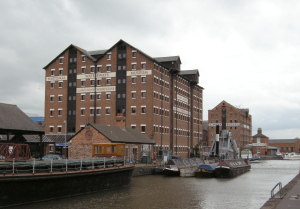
point(280, 190)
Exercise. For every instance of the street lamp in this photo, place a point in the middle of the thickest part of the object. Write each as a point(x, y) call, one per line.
point(65, 122)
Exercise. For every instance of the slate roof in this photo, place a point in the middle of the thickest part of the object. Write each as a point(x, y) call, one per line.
point(97, 52)
point(15, 121)
point(167, 59)
point(189, 72)
point(260, 135)
point(283, 141)
point(118, 135)
point(56, 138)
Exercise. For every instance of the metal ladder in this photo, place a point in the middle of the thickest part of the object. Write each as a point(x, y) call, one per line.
point(280, 190)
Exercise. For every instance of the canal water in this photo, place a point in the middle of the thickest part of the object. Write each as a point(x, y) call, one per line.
point(249, 190)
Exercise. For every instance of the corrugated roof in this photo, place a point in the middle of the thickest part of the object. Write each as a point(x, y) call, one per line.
point(15, 120)
point(128, 135)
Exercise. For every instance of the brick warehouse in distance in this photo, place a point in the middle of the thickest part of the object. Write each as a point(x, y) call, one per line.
point(238, 121)
point(123, 86)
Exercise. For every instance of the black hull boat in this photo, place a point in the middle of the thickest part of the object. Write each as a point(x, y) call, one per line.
point(21, 188)
point(231, 168)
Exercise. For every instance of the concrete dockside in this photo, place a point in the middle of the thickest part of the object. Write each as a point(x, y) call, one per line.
point(291, 196)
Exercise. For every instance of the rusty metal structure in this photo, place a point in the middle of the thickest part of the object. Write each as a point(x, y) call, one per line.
point(16, 152)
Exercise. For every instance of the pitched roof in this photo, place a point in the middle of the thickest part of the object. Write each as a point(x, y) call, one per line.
point(15, 121)
point(117, 134)
point(260, 135)
point(57, 138)
point(167, 59)
point(283, 141)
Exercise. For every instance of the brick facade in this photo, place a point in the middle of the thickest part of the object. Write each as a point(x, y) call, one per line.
point(132, 89)
point(237, 121)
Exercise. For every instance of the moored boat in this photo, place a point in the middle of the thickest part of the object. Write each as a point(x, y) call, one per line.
point(206, 170)
point(231, 168)
point(40, 184)
point(291, 156)
point(174, 166)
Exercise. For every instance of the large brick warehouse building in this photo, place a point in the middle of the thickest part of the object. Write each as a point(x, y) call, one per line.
point(123, 85)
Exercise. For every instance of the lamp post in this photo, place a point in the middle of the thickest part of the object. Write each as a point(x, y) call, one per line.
point(65, 122)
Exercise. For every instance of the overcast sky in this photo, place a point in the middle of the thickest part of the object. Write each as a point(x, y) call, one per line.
point(247, 52)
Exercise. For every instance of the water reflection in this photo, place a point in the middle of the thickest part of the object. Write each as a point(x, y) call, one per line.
point(250, 190)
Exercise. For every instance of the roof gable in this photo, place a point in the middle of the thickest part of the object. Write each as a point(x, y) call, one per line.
point(14, 120)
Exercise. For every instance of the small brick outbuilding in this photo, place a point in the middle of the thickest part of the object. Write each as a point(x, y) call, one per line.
point(137, 144)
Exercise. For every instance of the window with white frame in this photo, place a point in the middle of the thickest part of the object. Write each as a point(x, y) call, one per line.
point(143, 79)
point(92, 111)
point(92, 69)
point(143, 128)
point(82, 97)
point(51, 128)
point(133, 126)
point(83, 58)
point(133, 53)
point(99, 82)
point(133, 94)
point(143, 109)
point(52, 84)
point(143, 93)
point(59, 128)
point(108, 81)
point(83, 82)
point(51, 98)
point(51, 112)
point(61, 60)
point(108, 68)
point(60, 70)
point(143, 65)
point(98, 96)
point(98, 109)
point(108, 95)
point(92, 96)
point(109, 56)
point(133, 66)
point(83, 70)
point(59, 98)
point(133, 79)
point(60, 84)
point(52, 72)
point(99, 68)
point(82, 111)
point(107, 110)
point(59, 112)
point(133, 109)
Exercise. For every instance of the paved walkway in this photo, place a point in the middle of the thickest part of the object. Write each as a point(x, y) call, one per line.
point(291, 197)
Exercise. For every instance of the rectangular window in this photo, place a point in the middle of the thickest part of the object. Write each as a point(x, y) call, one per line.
point(51, 112)
point(92, 97)
point(59, 112)
point(60, 98)
point(60, 84)
point(107, 110)
point(82, 111)
point(107, 96)
point(133, 109)
point(133, 66)
point(108, 81)
point(133, 79)
point(133, 126)
point(52, 72)
point(82, 97)
point(143, 109)
point(82, 83)
point(143, 79)
point(143, 66)
point(83, 70)
point(99, 82)
point(92, 82)
point(60, 71)
point(143, 94)
point(59, 129)
point(52, 85)
point(133, 54)
point(92, 111)
point(133, 94)
point(99, 68)
point(143, 126)
point(61, 60)
point(51, 129)
point(98, 110)
point(109, 56)
point(52, 98)
point(83, 58)
point(108, 68)
point(98, 96)
point(92, 69)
